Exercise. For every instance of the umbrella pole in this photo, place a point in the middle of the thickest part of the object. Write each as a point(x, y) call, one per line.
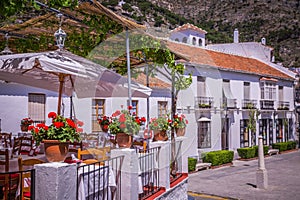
point(61, 84)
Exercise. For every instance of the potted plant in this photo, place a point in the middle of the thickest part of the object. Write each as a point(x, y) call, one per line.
point(104, 122)
point(159, 126)
point(179, 123)
point(124, 125)
point(56, 137)
point(25, 123)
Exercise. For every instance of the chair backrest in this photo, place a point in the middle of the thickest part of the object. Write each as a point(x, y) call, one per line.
point(5, 139)
point(25, 176)
point(4, 153)
point(26, 145)
point(16, 146)
point(4, 179)
point(97, 153)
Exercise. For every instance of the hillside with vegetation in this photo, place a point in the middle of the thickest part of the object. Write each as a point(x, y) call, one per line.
point(277, 21)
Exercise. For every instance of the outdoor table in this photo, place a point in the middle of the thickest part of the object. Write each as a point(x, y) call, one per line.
point(95, 182)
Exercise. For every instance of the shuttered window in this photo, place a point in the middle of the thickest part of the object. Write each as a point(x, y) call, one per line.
point(36, 107)
point(162, 108)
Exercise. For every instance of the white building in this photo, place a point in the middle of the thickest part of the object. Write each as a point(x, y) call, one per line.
point(224, 86)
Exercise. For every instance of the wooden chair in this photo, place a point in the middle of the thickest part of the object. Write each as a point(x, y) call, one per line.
point(26, 145)
point(5, 138)
point(8, 181)
point(99, 154)
point(16, 146)
point(25, 176)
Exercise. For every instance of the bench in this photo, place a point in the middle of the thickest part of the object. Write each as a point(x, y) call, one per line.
point(200, 166)
point(273, 151)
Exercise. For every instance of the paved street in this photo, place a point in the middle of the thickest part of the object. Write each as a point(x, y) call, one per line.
point(239, 180)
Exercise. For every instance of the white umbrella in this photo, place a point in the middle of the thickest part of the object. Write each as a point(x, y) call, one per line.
point(64, 72)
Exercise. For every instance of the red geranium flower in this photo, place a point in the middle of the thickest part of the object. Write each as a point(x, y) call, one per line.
point(122, 125)
point(52, 115)
point(122, 118)
point(71, 123)
point(58, 124)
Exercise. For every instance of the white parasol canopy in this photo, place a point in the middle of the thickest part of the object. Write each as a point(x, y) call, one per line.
point(64, 72)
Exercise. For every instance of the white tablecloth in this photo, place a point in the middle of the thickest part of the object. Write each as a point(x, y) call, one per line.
point(92, 180)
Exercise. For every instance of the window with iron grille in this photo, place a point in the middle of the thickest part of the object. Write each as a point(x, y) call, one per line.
point(36, 107)
point(204, 135)
point(98, 110)
point(162, 108)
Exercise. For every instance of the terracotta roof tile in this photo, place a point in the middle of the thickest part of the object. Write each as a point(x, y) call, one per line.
point(189, 26)
point(153, 82)
point(202, 56)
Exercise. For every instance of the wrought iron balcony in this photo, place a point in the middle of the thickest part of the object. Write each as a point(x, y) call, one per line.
point(249, 104)
point(266, 104)
point(283, 105)
point(204, 102)
point(229, 103)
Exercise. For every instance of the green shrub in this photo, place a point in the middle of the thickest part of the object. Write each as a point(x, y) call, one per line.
point(247, 152)
point(192, 164)
point(291, 145)
point(282, 146)
point(218, 157)
point(266, 149)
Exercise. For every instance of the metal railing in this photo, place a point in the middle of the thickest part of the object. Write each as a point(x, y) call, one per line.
point(149, 171)
point(11, 184)
point(229, 103)
point(178, 163)
point(283, 105)
point(249, 104)
point(100, 180)
point(204, 102)
point(266, 104)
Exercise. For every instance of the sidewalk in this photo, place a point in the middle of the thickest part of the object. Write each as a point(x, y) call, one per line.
point(239, 180)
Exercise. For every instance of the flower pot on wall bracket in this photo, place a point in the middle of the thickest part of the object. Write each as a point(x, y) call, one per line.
point(124, 140)
point(180, 132)
point(56, 151)
point(160, 135)
point(24, 128)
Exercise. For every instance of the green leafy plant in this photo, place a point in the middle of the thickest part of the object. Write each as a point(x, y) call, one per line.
point(160, 123)
point(26, 121)
point(192, 164)
point(122, 121)
point(61, 129)
point(179, 121)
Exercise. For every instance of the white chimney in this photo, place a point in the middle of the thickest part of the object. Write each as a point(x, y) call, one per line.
point(263, 41)
point(236, 36)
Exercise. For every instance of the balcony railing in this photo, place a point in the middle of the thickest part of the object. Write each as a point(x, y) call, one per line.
point(249, 104)
point(204, 102)
point(266, 104)
point(229, 103)
point(283, 105)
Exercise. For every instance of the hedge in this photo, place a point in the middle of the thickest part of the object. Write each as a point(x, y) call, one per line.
point(283, 146)
point(218, 157)
point(266, 149)
point(246, 153)
point(192, 164)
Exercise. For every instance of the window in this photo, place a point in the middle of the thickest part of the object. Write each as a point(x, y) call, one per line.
point(268, 91)
point(200, 42)
point(194, 41)
point(36, 107)
point(201, 88)
point(177, 40)
point(244, 133)
point(134, 105)
point(247, 90)
point(204, 136)
point(280, 93)
point(97, 111)
point(162, 108)
point(184, 40)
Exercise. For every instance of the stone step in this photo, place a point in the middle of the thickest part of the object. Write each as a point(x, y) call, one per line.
point(200, 166)
point(273, 151)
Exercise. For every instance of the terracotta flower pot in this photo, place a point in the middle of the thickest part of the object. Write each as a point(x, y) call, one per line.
point(24, 128)
point(124, 140)
point(160, 135)
point(56, 151)
point(180, 132)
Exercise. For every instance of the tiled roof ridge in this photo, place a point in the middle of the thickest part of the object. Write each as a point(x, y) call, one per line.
point(189, 26)
point(214, 58)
